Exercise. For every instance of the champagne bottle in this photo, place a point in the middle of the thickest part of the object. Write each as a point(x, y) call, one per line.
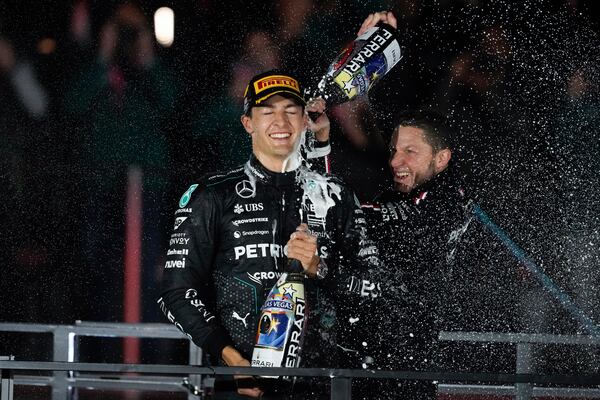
point(282, 322)
point(360, 65)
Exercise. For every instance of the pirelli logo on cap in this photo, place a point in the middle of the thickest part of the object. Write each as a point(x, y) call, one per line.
point(276, 81)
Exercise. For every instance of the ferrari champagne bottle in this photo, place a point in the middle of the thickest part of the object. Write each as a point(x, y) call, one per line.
point(360, 65)
point(282, 322)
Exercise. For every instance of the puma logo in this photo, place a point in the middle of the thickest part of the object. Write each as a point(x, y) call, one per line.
point(237, 316)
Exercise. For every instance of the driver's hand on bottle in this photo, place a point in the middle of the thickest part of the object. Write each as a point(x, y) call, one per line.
point(303, 247)
point(233, 358)
point(321, 125)
point(372, 20)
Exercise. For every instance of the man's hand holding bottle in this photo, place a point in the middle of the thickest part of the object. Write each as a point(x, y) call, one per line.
point(302, 246)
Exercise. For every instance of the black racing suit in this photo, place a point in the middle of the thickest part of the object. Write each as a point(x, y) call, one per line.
point(228, 249)
point(418, 235)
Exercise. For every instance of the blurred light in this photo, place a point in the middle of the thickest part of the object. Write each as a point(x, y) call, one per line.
point(164, 26)
point(46, 46)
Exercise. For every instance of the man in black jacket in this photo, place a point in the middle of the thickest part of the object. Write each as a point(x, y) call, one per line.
point(234, 233)
point(418, 224)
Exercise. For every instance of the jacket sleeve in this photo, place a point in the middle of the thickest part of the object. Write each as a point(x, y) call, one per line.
point(356, 283)
point(360, 252)
point(186, 296)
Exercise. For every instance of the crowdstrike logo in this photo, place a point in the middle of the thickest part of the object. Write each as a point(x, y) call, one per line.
point(249, 221)
point(245, 189)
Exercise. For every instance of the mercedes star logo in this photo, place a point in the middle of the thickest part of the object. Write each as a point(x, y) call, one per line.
point(244, 189)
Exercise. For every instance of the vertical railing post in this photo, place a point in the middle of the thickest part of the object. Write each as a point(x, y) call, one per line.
point(60, 387)
point(341, 388)
point(524, 390)
point(195, 359)
point(6, 380)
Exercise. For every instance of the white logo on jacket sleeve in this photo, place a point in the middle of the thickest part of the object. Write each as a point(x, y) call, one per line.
point(178, 222)
point(177, 252)
point(250, 207)
point(237, 316)
point(244, 189)
point(179, 241)
point(185, 198)
point(260, 250)
point(175, 264)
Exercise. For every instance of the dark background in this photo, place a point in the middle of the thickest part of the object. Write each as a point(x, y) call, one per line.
point(518, 81)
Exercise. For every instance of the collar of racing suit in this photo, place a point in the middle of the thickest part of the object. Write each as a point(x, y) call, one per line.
point(265, 176)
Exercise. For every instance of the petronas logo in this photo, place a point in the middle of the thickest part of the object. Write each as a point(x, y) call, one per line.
point(185, 199)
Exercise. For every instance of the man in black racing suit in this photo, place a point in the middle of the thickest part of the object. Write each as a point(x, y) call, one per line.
point(418, 226)
point(235, 231)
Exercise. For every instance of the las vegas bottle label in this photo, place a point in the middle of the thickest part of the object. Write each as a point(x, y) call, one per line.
point(281, 324)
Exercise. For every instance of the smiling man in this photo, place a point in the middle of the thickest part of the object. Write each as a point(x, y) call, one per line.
point(419, 223)
point(235, 231)
point(417, 154)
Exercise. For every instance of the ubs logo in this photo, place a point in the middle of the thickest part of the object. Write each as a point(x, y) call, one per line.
point(244, 189)
point(238, 209)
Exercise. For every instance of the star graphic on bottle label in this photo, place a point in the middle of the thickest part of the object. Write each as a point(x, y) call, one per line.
point(289, 290)
point(273, 326)
point(348, 86)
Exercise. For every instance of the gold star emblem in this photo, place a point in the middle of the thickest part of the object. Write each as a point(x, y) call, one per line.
point(273, 326)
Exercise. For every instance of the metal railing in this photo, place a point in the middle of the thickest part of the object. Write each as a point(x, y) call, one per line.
point(199, 379)
point(525, 363)
point(65, 349)
point(341, 379)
